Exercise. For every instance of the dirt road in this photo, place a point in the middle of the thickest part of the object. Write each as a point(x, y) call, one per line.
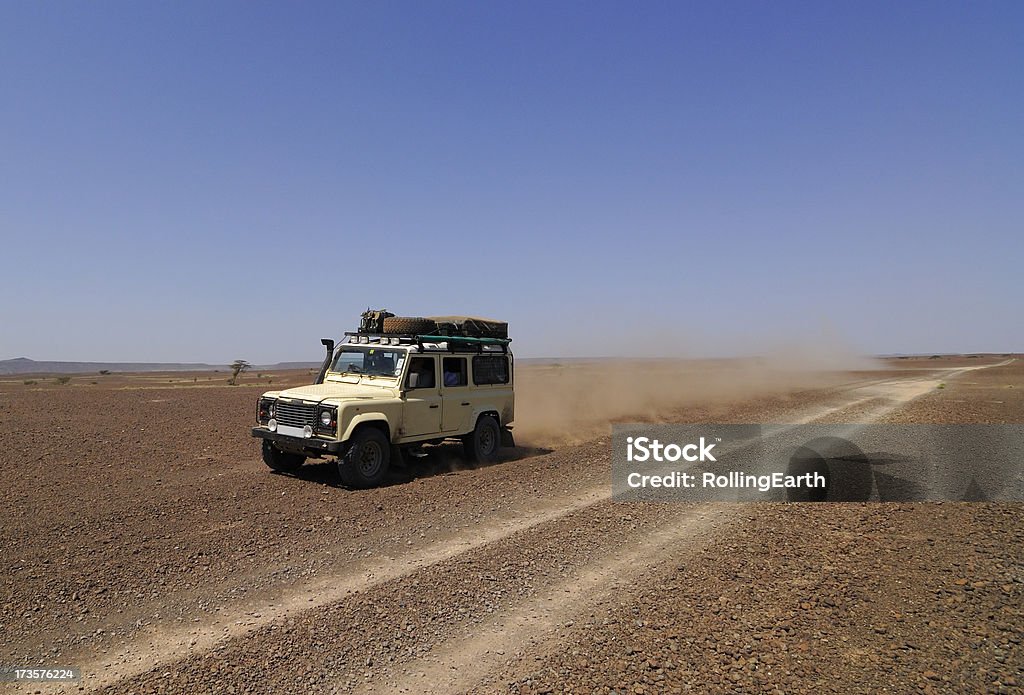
point(148, 544)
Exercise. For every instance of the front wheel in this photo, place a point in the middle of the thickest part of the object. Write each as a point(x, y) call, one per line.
point(366, 461)
point(279, 460)
point(482, 444)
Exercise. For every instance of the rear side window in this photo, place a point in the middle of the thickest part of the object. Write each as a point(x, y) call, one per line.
point(454, 369)
point(490, 369)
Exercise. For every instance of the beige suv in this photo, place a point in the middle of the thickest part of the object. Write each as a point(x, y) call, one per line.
point(378, 396)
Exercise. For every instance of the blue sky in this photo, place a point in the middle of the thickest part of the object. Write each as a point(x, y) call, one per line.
point(204, 181)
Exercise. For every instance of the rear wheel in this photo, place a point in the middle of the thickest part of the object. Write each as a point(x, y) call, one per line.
point(279, 460)
point(482, 444)
point(366, 461)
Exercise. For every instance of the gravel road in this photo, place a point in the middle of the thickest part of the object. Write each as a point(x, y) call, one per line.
point(146, 543)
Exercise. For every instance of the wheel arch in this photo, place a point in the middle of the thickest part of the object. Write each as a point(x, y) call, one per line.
point(486, 411)
point(374, 420)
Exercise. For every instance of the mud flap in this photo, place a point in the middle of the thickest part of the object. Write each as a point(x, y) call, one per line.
point(397, 456)
point(506, 438)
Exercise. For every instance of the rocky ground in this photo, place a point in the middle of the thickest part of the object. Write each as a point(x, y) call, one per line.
point(147, 543)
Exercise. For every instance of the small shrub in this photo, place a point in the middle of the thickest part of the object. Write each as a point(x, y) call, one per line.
point(941, 386)
point(62, 380)
point(104, 372)
point(29, 382)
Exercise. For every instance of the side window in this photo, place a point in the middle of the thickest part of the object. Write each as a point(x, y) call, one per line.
point(454, 369)
point(421, 373)
point(490, 369)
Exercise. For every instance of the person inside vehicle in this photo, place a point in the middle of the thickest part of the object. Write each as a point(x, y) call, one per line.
point(423, 368)
point(453, 371)
point(451, 378)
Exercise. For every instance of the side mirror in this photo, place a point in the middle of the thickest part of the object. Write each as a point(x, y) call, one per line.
point(414, 380)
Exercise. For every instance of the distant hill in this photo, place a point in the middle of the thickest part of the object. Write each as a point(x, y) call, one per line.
point(23, 365)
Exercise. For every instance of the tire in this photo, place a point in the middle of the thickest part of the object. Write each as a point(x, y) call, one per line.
point(279, 460)
point(408, 325)
point(367, 459)
point(483, 443)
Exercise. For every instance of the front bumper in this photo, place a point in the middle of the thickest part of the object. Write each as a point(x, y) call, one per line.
point(312, 445)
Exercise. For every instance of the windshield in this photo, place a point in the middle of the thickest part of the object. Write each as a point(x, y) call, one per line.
point(368, 361)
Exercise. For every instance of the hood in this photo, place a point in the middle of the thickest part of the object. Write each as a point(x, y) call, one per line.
point(336, 391)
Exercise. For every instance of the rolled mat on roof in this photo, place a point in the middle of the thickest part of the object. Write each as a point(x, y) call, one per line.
point(470, 326)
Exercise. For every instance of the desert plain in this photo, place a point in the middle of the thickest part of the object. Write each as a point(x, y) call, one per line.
point(144, 541)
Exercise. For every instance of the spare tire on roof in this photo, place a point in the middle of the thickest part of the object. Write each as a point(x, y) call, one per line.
point(408, 325)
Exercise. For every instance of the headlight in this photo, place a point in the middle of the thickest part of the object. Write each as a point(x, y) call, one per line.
point(326, 420)
point(264, 409)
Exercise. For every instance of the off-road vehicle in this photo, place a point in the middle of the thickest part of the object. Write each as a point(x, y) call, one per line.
point(391, 387)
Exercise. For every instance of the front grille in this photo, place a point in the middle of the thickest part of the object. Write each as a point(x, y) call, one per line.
point(295, 414)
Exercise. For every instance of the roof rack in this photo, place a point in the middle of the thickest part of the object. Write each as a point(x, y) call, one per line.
point(452, 343)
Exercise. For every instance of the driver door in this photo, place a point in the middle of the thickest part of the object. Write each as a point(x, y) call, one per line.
point(422, 414)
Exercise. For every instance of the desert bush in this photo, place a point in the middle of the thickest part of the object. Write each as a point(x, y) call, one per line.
point(62, 380)
point(104, 372)
point(29, 382)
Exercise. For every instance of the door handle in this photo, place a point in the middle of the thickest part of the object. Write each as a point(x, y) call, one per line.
point(435, 406)
point(466, 403)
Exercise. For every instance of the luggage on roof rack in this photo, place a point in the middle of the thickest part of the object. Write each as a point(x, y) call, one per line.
point(469, 327)
point(373, 320)
point(383, 322)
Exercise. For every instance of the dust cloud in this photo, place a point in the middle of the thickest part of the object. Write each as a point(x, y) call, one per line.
point(573, 401)
point(671, 369)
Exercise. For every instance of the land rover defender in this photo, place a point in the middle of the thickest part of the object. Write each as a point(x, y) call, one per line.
point(382, 395)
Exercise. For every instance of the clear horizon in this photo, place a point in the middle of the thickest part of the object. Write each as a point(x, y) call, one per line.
point(189, 182)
